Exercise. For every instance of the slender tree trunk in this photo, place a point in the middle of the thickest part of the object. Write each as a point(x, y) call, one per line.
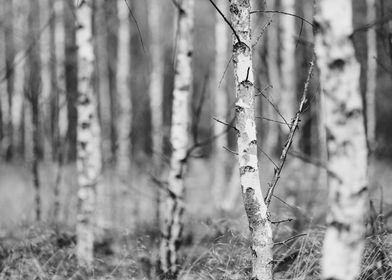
point(174, 208)
point(57, 84)
point(88, 136)
point(156, 91)
point(256, 210)
point(371, 76)
point(220, 103)
point(33, 95)
point(288, 97)
point(9, 58)
point(272, 128)
point(71, 79)
point(124, 112)
point(102, 80)
point(346, 140)
point(3, 84)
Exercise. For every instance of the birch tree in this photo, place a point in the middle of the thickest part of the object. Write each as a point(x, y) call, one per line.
point(88, 136)
point(346, 140)
point(9, 60)
point(220, 103)
point(156, 88)
point(70, 77)
point(256, 210)
point(124, 91)
point(179, 139)
point(32, 93)
point(371, 74)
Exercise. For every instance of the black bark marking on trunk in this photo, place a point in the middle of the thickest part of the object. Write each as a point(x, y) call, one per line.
point(252, 207)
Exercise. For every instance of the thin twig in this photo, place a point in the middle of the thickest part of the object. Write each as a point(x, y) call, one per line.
point(283, 13)
point(272, 104)
point(281, 221)
point(226, 20)
point(270, 159)
point(293, 128)
point(270, 120)
point(231, 151)
point(137, 25)
point(290, 238)
point(230, 125)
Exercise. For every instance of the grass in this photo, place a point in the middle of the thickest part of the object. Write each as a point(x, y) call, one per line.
point(214, 246)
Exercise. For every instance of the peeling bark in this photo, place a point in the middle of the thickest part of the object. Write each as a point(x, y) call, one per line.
point(174, 204)
point(256, 210)
point(346, 140)
point(88, 136)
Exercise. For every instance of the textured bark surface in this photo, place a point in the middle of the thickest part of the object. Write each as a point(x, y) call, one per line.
point(124, 92)
point(346, 140)
point(256, 210)
point(174, 202)
point(88, 136)
point(371, 75)
point(220, 103)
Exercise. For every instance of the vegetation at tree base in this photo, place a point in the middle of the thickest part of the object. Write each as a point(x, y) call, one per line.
point(183, 139)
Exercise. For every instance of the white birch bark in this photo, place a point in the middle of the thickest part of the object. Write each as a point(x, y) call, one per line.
point(124, 91)
point(88, 136)
point(256, 210)
point(371, 74)
point(346, 140)
point(288, 97)
point(174, 202)
point(220, 103)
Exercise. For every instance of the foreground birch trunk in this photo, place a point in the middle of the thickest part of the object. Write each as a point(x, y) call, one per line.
point(88, 136)
point(174, 204)
point(256, 210)
point(346, 140)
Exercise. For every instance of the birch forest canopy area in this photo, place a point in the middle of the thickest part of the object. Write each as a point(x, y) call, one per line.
point(195, 139)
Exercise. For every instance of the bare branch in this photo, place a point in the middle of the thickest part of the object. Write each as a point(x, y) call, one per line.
point(293, 128)
point(137, 25)
point(260, 92)
point(233, 152)
point(226, 20)
point(230, 125)
point(282, 221)
point(284, 13)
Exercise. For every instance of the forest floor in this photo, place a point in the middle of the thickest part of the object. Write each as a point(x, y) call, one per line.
point(215, 246)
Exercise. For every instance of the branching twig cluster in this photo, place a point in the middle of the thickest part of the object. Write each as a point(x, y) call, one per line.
point(293, 128)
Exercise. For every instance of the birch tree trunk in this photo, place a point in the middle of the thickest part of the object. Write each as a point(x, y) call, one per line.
point(371, 76)
point(32, 93)
point(88, 136)
point(288, 97)
point(71, 70)
point(156, 90)
point(174, 204)
point(346, 140)
point(9, 60)
point(103, 86)
point(256, 210)
point(124, 91)
point(220, 103)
